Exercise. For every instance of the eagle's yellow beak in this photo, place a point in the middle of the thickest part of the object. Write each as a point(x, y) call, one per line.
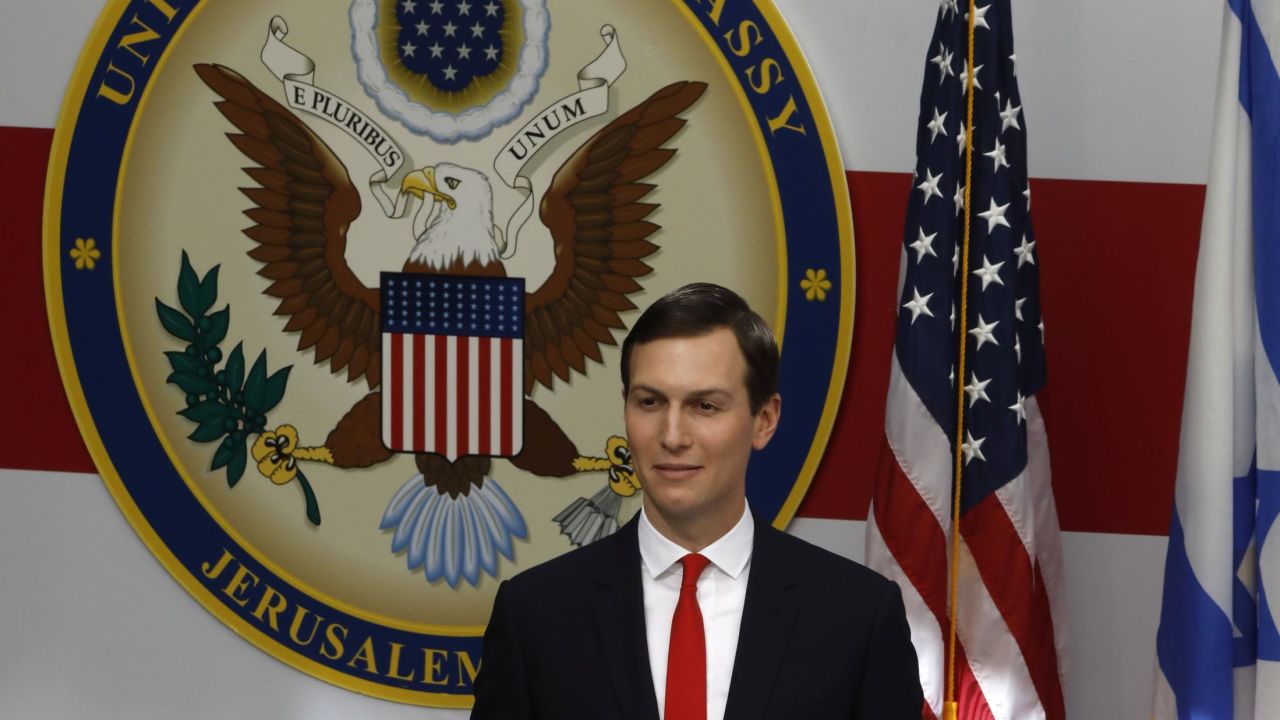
point(422, 183)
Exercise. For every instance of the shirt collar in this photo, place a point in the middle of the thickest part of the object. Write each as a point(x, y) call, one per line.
point(730, 552)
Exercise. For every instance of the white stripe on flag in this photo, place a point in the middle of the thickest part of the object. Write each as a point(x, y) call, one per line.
point(926, 636)
point(495, 395)
point(451, 403)
point(921, 447)
point(473, 395)
point(994, 657)
point(387, 382)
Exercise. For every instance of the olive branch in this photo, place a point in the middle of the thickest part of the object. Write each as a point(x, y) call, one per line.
point(226, 403)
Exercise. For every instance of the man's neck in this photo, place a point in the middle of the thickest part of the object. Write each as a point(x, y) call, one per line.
point(694, 534)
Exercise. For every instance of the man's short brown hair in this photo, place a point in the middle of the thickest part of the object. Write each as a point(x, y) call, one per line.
point(699, 308)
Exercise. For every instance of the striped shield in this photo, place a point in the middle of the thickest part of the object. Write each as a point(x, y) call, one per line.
point(452, 362)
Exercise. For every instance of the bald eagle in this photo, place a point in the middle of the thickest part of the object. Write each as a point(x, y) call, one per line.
point(452, 518)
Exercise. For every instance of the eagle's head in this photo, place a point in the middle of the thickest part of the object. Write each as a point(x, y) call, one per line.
point(458, 222)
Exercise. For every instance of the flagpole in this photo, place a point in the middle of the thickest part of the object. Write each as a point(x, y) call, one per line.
point(949, 708)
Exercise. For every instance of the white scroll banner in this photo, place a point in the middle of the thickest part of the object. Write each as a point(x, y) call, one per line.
point(591, 100)
point(297, 71)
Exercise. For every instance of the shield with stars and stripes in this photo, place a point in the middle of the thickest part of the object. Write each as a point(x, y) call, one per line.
point(452, 360)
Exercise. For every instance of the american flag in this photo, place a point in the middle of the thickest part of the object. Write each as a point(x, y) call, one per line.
point(1009, 603)
point(451, 43)
point(452, 362)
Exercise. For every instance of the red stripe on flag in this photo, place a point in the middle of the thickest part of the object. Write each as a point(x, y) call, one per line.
point(397, 391)
point(442, 394)
point(485, 398)
point(912, 535)
point(970, 702)
point(506, 396)
point(419, 397)
point(1018, 591)
point(463, 388)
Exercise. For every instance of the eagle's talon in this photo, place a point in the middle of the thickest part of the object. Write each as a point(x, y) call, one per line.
point(277, 454)
point(622, 474)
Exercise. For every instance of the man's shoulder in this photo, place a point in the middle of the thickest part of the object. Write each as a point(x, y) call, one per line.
point(574, 568)
point(820, 562)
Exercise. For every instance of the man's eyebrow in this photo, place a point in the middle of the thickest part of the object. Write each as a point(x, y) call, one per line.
point(700, 393)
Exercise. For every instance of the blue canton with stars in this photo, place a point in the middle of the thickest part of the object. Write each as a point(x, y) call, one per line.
point(1004, 361)
point(416, 303)
point(450, 42)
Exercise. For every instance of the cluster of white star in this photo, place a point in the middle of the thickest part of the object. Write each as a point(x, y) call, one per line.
point(994, 270)
point(430, 15)
point(455, 306)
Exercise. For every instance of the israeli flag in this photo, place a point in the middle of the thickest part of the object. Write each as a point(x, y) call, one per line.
point(1217, 647)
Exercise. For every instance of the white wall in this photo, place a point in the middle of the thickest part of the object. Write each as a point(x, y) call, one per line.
point(91, 626)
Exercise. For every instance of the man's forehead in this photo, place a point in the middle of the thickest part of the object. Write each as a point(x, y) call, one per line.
point(709, 362)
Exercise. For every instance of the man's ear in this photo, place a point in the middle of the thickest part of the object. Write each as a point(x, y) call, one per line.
point(766, 422)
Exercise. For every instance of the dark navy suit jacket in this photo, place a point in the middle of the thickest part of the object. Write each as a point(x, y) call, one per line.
point(821, 637)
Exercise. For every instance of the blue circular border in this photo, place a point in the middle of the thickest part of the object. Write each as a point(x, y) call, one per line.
point(811, 352)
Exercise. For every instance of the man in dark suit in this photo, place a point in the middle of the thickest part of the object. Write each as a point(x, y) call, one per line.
point(695, 610)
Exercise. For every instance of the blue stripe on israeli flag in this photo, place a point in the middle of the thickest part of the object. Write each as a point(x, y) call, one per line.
point(1217, 647)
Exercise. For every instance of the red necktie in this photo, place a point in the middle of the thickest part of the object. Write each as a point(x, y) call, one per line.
point(687, 656)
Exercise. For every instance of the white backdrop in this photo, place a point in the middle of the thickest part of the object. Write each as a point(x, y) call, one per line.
point(93, 627)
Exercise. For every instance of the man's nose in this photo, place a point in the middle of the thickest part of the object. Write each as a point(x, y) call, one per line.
point(675, 431)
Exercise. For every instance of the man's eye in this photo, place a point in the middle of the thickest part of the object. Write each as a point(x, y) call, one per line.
point(706, 406)
point(452, 182)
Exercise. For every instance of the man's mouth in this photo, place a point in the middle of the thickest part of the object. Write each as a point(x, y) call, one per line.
point(677, 471)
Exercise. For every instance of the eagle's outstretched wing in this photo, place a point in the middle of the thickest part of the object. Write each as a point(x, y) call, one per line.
point(598, 225)
point(305, 203)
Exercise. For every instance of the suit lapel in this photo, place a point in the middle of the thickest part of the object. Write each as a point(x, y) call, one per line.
point(768, 615)
point(619, 616)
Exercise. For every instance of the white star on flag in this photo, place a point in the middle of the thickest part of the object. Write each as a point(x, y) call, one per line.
point(930, 185)
point(964, 78)
point(977, 389)
point(972, 447)
point(924, 245)
point(979, 17)
point(918, 305)
point(1023, 251)
point(989, 273)
point(943, 61)
point(936, 125)
point(995, 215)
point(1020, 408)
point(997, 156)
point(1009, 116)
point(983, 332)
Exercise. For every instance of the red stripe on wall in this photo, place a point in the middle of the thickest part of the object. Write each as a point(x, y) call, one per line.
point(1117, 265)
point(37, 430)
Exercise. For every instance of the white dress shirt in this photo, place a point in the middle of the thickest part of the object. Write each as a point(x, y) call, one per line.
point(722, 589)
